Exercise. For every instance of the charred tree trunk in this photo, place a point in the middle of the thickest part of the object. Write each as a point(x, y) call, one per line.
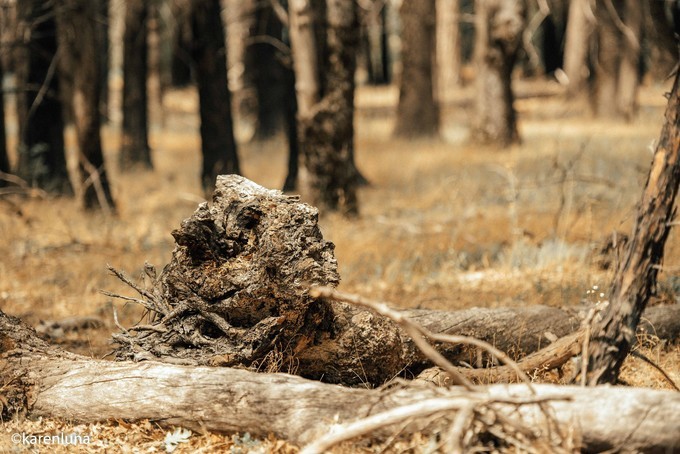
point(448, 45)
point(135, 151)
point(210, 63)
point(619, 25)
point(42, 161)
point(579, 31)
point(79, 47)
point(102, 22)
point(325, 63)
point(417, 111)
point(265, 71)
point(499, 25)
point(635, 278)
point(181, 59)
point(291, 123)
point(660, 32)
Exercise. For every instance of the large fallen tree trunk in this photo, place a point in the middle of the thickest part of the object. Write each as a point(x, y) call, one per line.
point(45, 381)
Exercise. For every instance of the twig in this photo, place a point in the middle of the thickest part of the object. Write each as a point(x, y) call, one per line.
point(455, 437)
point(657, 367)
point(364, 426)
point(94, 179)
point(120, 275)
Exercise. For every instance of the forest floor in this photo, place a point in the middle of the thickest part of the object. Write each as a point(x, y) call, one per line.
point(443, 225)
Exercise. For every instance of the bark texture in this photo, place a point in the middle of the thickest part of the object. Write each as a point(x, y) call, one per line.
point(42, 161)
point(499, 25)
point(417, 111)
point(48, 382)
point(80, 57)
point(635, 278)
point(324, 43)
point(210, 63)
point(135, 151)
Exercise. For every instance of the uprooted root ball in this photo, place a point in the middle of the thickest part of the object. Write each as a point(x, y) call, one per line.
point(236, 287)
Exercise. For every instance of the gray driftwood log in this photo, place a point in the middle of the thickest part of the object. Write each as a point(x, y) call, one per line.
point(41, 380)
point(236, 293)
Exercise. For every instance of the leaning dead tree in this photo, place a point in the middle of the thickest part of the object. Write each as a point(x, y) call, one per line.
point(635, 278)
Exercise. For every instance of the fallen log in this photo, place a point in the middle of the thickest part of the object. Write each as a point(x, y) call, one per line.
point(41, 380)
point(236, 292)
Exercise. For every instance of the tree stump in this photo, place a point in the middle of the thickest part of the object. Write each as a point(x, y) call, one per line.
point(236, 287)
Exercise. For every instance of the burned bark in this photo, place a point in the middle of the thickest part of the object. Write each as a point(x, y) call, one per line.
point(417, 112)
point(208, 54)
point(498, 25)
point(42, 160)
point(44, 381)
point(635, 278)
point(134, 148)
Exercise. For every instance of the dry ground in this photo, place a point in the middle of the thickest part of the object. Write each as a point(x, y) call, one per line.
point(443, 225)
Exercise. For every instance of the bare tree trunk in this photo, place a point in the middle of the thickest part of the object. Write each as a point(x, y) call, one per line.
point(264, 70)
point(45, 381)
point(79, 47)
point(619, 26)
point(102, 21)
point(629, 70)
point(449, 58)
point(4, 159)
point(42, 161)
point(579, 30)
point(209, 56)
point(417, 111)
point(498, 25)
point(135, 151)
point(325, 61)
point(635, 278)
point(660, 33)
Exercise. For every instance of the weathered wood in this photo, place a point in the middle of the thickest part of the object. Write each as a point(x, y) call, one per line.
point(45, 381)
point(635, 278)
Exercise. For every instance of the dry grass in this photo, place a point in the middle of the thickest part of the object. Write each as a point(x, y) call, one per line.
point(444, 225)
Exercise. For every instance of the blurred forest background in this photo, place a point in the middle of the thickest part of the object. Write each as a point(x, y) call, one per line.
point(462, 152)
point(493, 149)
